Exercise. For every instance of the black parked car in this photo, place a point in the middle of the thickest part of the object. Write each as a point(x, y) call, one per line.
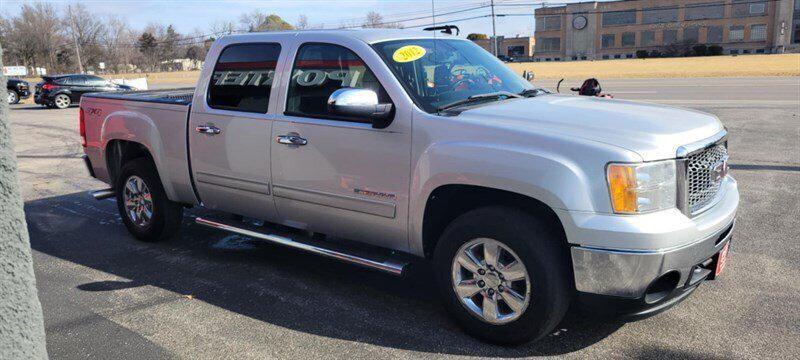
point(505, 58)
point(17, 90)
point(61, 91)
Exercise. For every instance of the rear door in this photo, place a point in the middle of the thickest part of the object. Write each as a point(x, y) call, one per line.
point(78, 85)
point(347, 179)
point(230, 127)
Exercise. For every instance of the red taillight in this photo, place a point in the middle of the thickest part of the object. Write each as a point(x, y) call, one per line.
point(49, 87)
point(82, 127)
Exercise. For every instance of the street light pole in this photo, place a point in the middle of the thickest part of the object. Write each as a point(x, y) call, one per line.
point(494, 31)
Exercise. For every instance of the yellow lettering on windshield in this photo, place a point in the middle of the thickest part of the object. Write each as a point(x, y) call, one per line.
point(408, 53)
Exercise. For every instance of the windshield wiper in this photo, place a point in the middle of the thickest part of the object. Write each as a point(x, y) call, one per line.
point(480, 97)
point(532, 92)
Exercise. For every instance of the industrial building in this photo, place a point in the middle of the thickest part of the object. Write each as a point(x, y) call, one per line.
point(520, 47)
point(618, 29)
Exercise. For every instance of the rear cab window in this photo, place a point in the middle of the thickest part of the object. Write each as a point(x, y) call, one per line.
point(243, 76)
point(320, 69)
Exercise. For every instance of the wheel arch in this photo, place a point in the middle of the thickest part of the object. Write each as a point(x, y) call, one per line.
point(119, 152)
point(447, 202)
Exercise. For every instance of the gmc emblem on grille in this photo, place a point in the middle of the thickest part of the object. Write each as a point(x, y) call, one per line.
point(719, 169)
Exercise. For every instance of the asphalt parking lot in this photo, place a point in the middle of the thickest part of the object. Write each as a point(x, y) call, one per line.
point(207, 294)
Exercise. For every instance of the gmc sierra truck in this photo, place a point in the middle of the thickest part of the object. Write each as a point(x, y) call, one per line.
point(381, 147)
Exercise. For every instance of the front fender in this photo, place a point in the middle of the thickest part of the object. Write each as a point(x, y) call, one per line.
point(136, 127)
point(548, 177)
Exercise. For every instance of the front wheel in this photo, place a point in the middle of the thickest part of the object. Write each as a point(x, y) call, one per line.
point(145, 209)
point(503, 274)
point(13, 97)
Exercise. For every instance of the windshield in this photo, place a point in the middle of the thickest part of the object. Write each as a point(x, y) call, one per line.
point(438, 72)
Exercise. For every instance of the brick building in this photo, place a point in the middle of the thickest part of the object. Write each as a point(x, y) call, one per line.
point(618, 29)
point(516, 47)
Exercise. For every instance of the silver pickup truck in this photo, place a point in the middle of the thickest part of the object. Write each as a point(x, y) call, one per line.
point(382, 147)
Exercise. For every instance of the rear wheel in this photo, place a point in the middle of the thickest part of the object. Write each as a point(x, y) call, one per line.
point(145, 209)
point(62, 101)
point(13, 97)
point(503, 274)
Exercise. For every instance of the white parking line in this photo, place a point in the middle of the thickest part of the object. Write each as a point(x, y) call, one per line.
point(722, 102)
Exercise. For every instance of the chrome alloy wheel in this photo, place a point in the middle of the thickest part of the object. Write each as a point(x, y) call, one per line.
point(138, 201)
point(12, 97)
point(62, 101)
point(491, 281)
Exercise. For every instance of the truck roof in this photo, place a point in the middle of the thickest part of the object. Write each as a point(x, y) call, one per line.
point(369, 36)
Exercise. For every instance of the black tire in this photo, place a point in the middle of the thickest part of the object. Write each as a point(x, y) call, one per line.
point(13, 97)
point(166, 215)
point(544, 254)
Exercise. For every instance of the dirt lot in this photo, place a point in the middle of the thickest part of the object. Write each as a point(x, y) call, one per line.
point(207, 294)
point(712, 66)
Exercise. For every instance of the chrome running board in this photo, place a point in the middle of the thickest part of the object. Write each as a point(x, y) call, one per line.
point(103, 194)
point(388, 265)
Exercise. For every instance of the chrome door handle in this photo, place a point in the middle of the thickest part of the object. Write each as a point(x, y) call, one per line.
point(208, 129)
point(291, 140)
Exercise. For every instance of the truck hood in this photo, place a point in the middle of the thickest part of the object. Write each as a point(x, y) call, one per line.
point(653, 131)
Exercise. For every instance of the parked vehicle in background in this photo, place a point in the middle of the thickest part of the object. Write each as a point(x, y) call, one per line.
point(420, 145)
point(61, 91)
point(17, 90)
point(505, 58)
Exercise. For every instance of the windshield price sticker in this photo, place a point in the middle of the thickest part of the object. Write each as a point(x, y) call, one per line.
point(408, 53)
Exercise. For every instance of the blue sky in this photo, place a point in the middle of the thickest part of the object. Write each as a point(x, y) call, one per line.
point(190, 15)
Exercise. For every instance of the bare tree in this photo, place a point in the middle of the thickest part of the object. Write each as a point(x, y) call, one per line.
point(36, 36)
point(85, 31)
point(375, 20)
point(222, 28)
point(117, 42)
point(302, 22)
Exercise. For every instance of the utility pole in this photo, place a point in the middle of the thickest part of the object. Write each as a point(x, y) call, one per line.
point(75, 39)
point(494, 31)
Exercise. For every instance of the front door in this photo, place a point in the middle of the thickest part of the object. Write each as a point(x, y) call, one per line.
point(336, 176)
point(230, 131)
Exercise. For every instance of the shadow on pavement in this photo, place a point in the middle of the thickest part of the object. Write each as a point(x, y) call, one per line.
point(108, 285)
point(765, 167)
point(275, 285)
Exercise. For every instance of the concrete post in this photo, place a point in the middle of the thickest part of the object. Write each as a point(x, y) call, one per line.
point(21, 323)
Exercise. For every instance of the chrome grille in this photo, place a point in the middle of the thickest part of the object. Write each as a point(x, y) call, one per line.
point(702, 182)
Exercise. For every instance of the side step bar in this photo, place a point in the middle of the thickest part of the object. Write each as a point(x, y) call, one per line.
point(391, 266)
point(103, 194)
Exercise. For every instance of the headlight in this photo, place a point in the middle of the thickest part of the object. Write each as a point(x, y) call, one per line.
point(641, 188)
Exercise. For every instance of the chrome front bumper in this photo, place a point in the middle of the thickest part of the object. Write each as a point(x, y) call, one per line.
point(628, 273)
point(621, 256)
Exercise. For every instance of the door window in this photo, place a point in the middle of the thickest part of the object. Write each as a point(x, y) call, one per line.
point(76, 80)
point(96, 81)
point(321, 69)
point(242, 77)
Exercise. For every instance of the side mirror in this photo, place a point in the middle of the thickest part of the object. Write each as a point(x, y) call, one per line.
point(361, 104)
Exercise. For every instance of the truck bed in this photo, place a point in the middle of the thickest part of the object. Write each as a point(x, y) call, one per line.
point(180, 96)
point(156, 119)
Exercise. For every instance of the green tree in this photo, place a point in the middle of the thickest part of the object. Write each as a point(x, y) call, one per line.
point(258, 21)
point(169, 44)
point(147, 45)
